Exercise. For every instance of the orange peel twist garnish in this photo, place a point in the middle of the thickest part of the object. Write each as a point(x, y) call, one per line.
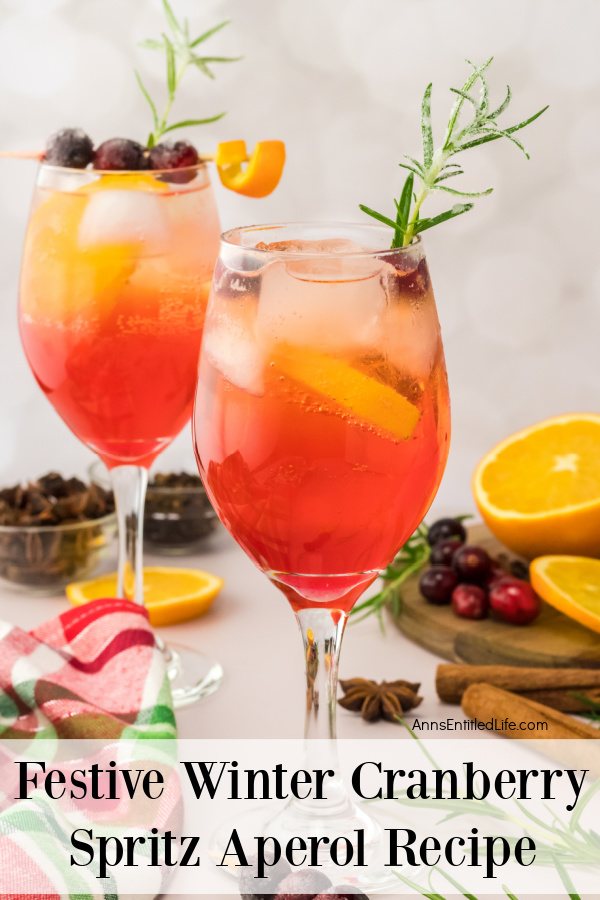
point(254, 176)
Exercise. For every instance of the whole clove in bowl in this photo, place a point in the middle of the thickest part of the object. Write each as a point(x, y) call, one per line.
point(53, 530)
point(178, 515)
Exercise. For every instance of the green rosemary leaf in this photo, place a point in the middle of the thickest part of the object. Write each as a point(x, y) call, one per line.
point(410, 168)
point(188, 123)
point(220, 59)
point(500, 109)
point(457, 210)
point(148, 98)
point(171, 18)
point(445, 175)
point(415, 163)
point(403, 210)
point(171, 70)
point(508, 893)
point(379, 216)
point(426, 129)
point(208, 34)
point(455, 884)
point(449, 190)
point(152, 44)
point(456, 109)
point(417, 888)
point(465, 96)
point(506, 131)
point(493, 135)
point(566, 879)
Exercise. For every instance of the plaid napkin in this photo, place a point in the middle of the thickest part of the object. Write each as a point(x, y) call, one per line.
point(92, 673)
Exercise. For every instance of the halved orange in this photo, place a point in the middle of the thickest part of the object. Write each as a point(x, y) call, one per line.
point(571, 584)
point(170, 595)
point(364, 397)
point(539, 490)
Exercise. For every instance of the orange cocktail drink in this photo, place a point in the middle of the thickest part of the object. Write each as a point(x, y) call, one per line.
point(115, 279)
point(322, 418)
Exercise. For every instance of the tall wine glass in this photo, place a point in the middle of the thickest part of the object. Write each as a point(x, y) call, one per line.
point(321, 422)
point(115, 277)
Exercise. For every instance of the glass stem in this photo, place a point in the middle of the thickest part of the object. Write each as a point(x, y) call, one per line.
point(129, 487)
point(322, 631)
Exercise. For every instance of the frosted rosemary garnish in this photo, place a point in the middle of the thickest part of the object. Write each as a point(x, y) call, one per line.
point(435, 170)
point(181, 52)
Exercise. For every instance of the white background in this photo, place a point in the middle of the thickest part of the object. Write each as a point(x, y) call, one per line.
point(516, 280)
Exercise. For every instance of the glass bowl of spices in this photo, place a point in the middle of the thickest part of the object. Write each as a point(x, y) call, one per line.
point(178, 515)
point(53, 530)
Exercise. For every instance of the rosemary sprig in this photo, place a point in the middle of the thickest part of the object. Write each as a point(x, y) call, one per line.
point(436, 169)
point(181, 52)
point(409, 559)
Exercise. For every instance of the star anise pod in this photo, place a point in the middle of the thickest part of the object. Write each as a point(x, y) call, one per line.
point(373, 700)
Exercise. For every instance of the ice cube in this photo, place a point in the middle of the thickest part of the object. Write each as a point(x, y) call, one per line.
point(333, 303)
point(230, 344)
point(122, 217)
point(411, 336)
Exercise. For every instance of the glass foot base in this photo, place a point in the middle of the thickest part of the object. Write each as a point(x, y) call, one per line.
point(260, 821)
point(193, 676)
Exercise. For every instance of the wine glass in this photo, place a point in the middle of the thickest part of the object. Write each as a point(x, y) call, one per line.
point(321, 425)
point(115, 277)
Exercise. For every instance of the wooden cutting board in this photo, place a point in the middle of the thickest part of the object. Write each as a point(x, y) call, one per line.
point(552, 640)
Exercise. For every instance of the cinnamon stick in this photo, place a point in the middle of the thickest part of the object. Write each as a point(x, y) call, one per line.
point(563, 689)
point(484, 702)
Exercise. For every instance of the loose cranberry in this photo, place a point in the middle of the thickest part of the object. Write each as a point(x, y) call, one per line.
point(178, 155)
point(120, 154)
point(444, 529)
point(437, 583)
point(472, 564)
point(303, 885)
point(70, 147)
point(470, 601)
point(443, 552)
point(253, 888)
point(515, 601)
point(496, 574)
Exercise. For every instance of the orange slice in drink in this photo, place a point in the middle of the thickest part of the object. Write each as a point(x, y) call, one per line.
point(254, 176)
point(539, 490)
point(170, 595)
point(571, 584)
point(367, 399)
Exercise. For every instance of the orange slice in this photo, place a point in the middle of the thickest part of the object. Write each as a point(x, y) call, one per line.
point(364, 397)
point(539, 490)
point(170, 595)
point(129, 181)
point(571, 584)
point(262, 173)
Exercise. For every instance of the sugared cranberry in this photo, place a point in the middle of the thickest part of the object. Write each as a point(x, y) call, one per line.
point(470, 601)
point(443, 552)
point(303, 885)
point(70, 147)
point(178, 155)
point(515, 601)
point(444, 529)
point(437, 583)
point(472, 564)
point(120, 154)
